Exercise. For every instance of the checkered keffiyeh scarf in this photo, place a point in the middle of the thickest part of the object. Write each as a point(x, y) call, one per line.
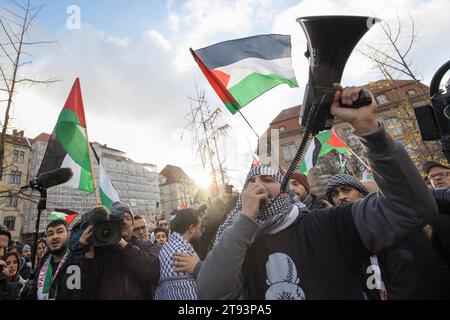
point(175, 285)
point(273, 214)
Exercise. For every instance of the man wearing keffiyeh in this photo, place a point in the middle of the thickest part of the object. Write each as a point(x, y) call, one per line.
point(177, 282)
point(271, 249)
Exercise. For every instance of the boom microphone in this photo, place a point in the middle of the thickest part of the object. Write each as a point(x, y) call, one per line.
point(50, 179)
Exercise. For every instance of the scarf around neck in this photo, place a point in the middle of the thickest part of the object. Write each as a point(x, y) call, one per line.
point(46, 276)
point(273, 214)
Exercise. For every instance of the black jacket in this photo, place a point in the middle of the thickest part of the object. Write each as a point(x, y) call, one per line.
point(9, 290)
point(63, 287)
point(312, 201)
point(411, 270)
point(116, 274)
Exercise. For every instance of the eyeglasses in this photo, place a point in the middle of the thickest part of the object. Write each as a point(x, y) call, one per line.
point(139, 229)
point(438, 175)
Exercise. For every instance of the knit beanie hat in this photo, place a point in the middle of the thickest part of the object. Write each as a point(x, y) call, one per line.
point(342, 179)
point(300, 177)
point(119, 209)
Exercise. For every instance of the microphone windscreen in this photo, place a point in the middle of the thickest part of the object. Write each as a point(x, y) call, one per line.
point(55, 177)
point(98, 214)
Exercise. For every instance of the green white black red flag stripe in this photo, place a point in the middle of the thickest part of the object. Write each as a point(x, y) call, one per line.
point(241, 70)
point(68, 145)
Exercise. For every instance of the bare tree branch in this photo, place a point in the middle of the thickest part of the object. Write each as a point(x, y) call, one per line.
point(6, 53)
point(4, 78)
point(12, 12)
point(20, 6)
point(9, 37)
point(37, 81)
point(11, 21)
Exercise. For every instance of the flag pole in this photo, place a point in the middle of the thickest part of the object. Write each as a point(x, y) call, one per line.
point(97, 197)
point(360, 160)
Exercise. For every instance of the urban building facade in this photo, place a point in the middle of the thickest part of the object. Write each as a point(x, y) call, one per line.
point(15, 174)
point(136, 184)
point(396, 101)
point(176, 189)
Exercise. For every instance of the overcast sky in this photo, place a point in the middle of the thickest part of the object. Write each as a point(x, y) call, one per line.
point(136, 72)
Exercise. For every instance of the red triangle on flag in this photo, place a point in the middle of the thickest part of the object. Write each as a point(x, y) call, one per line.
point(335, 141)
point(221, 76)
point(71, 217)
point(74, 102)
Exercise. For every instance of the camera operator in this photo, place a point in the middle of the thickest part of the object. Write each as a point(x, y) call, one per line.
point(126, 270)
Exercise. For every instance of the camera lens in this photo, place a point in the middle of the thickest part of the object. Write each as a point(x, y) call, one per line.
point(105, 233)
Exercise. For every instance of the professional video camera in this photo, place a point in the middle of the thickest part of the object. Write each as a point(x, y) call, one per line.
point(107, 228)
point(434, 118)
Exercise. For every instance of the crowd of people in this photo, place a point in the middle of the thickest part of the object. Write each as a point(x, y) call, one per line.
point(384, 240)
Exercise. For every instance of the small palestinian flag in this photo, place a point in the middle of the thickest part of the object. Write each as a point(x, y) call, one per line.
point(63, 214)
point(181, 205)
point(323, 143)
point(255, 162)
point(241, 70)
point(68, 146)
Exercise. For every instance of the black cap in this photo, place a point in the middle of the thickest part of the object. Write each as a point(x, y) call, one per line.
point(431, 164)
point(4, 230)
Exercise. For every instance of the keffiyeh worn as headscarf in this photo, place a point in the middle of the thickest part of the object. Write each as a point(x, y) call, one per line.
point(273, 214)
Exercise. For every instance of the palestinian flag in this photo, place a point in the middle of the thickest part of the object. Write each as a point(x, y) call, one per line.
point(241, 70)
point(181, 205)
point(255, 162)
point(323, 143)
point(68, 146)
point(108, 194)
point(63, 214)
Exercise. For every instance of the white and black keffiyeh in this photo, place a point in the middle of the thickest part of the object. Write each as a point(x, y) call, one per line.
point(273, 214)
point(175, 285)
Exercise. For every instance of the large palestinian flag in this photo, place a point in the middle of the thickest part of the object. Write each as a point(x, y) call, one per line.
point(323, 143)
point(68, 146)
point(241, 70)
point(108, 194)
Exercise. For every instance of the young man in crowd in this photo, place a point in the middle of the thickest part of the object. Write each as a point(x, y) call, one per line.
point(140, 228)
point(299, 184)
point(409, 270)
point(58, 276)
point(271, 248)
point(175, 284)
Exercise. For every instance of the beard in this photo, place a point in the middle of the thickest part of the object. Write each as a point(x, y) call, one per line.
point(58, 251)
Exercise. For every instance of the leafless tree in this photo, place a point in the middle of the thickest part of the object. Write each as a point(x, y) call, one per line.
point(16, 20)
point(392, 59)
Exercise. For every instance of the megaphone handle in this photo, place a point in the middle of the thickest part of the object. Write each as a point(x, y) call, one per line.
point(364, 99)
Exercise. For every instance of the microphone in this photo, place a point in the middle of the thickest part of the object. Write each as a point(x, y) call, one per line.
point(50, 179)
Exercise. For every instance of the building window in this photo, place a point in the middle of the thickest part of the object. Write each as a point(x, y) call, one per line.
point(282, 128)
point(18, 156)
point(393, 125)
point(382, 99)
point(11, 201)
point(10, 222)
point(15, 177)
point(411, 92)
point(289, 151)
